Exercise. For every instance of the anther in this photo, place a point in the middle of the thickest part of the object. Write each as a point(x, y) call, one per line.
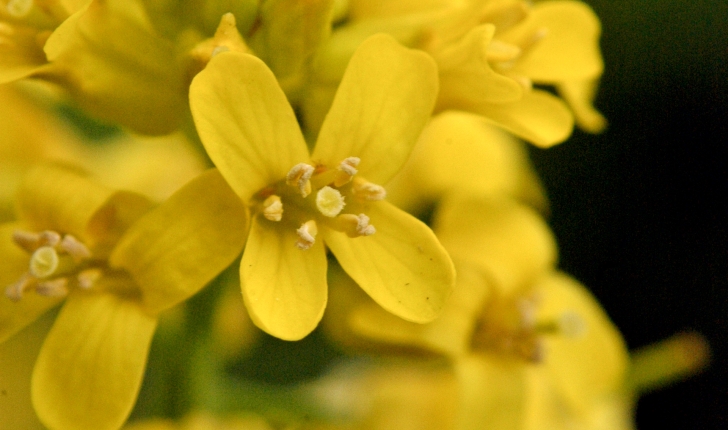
point(15, 291)
point(53, 288)
point(307, 235)
point(368, 191)
point(299, 176)
point(273, 208)
point(329, 201)
point(219, 50)
point(19, 8)
point(73, 247)
point(571, 324)
point(87, 278)
point(356, 225)
point(44, 262)
point(27, 240)
point(346, 171)
point(498, 51)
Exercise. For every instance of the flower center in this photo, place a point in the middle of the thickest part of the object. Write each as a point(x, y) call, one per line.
point(57, 264)
point(511, 328)
point(311, 196)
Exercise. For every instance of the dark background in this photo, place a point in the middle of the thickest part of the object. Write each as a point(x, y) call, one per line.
point(641, 211)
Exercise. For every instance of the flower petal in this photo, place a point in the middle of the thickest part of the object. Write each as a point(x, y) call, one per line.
point(538, 117)
point(13, 265)
point(466, 75)
point(136, 80)
point(583, 365)
point(580, 97)
point(20, 53)
point(245, 122)
point(91, 365)
point(570, 48)
point(506, 239)
point(56, 198)
point(177, 248)
point(384, 100)
point(402, 266)
point(284, 287)
point(460, 152)
point(482, 404)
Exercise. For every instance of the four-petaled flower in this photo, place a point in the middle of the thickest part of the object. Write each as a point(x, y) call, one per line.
point(251, 134)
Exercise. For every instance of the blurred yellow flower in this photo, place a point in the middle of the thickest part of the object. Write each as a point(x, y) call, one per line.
point(251, 134)
point(520, 334)
point(118, 264)
point(490, 54)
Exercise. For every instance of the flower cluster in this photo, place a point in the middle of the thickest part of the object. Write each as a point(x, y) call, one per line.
point(355, 165)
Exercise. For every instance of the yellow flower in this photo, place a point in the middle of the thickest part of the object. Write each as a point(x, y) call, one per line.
point(489, 54)
point(117, 264)
point(251, 134)
point(523, 338)
point(203, 421)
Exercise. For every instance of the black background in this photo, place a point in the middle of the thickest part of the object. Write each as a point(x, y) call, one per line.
point(641, 211)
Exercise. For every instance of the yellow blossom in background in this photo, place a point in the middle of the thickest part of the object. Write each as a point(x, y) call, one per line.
point(117, 263)
point(490, 54)
point(520, 334)
point(202, 421)
point(251, 134)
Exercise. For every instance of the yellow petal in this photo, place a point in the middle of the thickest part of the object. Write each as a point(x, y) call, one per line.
point(284, 287)
point(449, 334)
point(538, 117)
point(583, 365)
point(17, 358)
point(570, 48)
point(13, 265)
point(580, 97)
point(177, 248)
point(493, 393)
point(55, 198)
point(20, 53)
point(402, 266)
point(461, 152)
point(507, 240)
point(135, 79)
point(245, 122)
point(385, 99)
point(91, 365)
point(466, 75)
point(290, 33)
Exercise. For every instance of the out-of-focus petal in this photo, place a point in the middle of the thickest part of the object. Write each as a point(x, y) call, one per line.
point(538, 117)
point(284, 287)
point(177, 248)
point(570, 48)
point(593, 359)
point(507, 240)
point(385, 99)
point(245, 122)
point(580, 97)
point(91, 365)
point(402, 266)
point(20, 53)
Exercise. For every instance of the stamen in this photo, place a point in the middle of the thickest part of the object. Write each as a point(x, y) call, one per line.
point(44, 262)
point(54, 288)
point(329, 201)
point(299, 176)
point(75, 248)
point(49, 238)
point(307, 235)
point(572, 325)
point(356, 225)
point(368, 191)
point(498, 51)
point(19, 8)
point(87, 278)
point(273, 208)
point(219, 50)
point(27, 240)
point(346, 171)
point(15, 291)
